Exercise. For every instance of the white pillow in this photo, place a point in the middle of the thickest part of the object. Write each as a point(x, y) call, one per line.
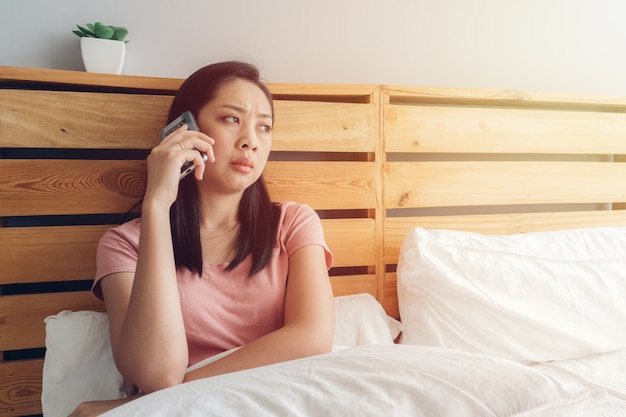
point(79, 365)
point(361, 320)
point(532, 297)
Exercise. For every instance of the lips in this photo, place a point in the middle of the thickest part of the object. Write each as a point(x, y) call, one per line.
point(243, 164)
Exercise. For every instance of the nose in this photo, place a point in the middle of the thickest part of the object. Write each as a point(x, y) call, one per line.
point(248, 139)
point(247, 145)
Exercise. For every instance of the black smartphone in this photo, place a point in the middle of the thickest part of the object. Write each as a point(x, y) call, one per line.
point(188, 119)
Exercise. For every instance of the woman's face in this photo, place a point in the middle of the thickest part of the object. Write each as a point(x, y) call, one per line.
point(239, 118)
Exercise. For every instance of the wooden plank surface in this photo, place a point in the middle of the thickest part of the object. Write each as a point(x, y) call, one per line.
point(350, 93)
point(20, 387)
point(61, 119)
point(447, 129)
point(336, 127)
point(22, 316)
point(47, 254)
point(390, 295)
point(353, 92)
point(501, 97)
point(354, 284)
point(83, 187)
point(65, 253)
point(396, 228)
point(351, 241)
point(343, 185)
point(82, 78)
point(473, 183)
point(40, 187)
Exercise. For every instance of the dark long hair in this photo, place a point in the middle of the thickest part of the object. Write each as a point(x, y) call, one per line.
point(257, 215)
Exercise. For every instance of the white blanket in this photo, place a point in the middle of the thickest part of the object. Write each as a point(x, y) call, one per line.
point(377, 381)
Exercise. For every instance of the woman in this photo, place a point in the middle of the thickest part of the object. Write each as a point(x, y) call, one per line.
point(213, 264)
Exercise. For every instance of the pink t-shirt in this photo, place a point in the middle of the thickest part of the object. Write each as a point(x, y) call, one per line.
point(221, 309)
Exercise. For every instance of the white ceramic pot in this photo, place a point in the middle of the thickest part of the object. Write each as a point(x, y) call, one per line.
point(103, 55)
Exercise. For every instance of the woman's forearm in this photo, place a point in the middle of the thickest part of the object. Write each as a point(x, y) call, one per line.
point(287, 343)
point(152, 348)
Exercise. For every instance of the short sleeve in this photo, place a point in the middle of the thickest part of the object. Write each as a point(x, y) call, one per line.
point(117, 252)
point(301, 227)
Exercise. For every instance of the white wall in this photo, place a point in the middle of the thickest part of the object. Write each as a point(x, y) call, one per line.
point(572, 46)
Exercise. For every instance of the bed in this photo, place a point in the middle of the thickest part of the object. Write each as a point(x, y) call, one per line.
point(479, 240)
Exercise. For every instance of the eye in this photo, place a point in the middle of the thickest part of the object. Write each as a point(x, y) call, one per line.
point(232, 119)
point(266, 128)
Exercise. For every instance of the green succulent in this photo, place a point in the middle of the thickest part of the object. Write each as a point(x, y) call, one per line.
point(98, 30)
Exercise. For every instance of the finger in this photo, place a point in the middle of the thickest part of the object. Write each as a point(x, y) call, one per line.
point(193, 140)
point(176, 133)
point(199, 162)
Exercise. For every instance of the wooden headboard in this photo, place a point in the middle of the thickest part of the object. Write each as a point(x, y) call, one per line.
point(374, 161)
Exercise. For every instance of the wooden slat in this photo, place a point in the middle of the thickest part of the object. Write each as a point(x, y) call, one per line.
point(46, 254)
point(460, 183)
point(21, 316)
point(20, 388)
point(351, 241)
point(60, 119)
point(390, 296)
point(336, 127)
point(69, 251)
point(442, 129)
point(354, 284)
point(493, 97)
point(620, 206)
point(396, 228)
point(39, 187)
point(82, 78)
point(323, 185)
point(351, 93)
point(83, 187)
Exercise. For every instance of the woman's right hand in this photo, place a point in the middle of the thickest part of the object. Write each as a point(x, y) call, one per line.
point(167, 158)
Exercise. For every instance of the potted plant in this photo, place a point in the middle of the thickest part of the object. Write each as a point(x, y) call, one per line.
point(102, 47)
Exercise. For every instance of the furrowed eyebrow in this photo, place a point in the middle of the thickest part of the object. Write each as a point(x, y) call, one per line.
point(243, 110)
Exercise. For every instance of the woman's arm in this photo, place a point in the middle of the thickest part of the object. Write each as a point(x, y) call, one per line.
point(146, 323)
point(309, 320)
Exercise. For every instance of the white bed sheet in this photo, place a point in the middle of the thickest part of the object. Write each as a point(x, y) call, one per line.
point(606, 372)
point(377, 380)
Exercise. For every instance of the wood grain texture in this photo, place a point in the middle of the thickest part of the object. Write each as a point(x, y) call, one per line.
point(323, 185)
point(61, 119)
point(80, 120)
point(22, 316)
point(390, 295)
point(447, 129)
point(68, 251)
point(336, 127)
point(351, 241)
point(69, 186)
point(20, 388)
point(474, 183)
point(501, 97)
point(82, 78)
point(354, 284)
point(348, 93)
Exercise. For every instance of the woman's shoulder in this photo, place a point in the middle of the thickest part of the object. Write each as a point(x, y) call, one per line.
point(126, 231)
point(297, 217)
point(292, 209)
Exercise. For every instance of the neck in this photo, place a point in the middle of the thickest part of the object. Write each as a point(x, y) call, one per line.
point(219, 214)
